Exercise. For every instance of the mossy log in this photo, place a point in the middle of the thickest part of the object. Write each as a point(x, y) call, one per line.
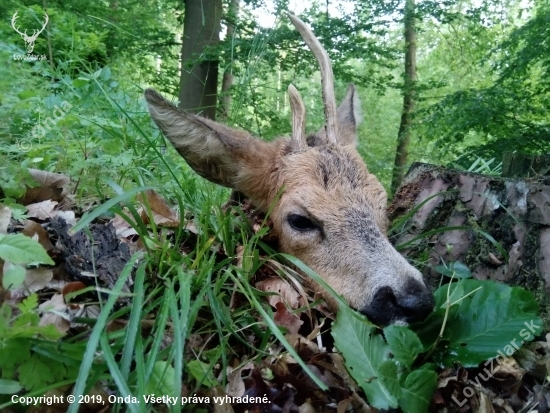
point(498, 227)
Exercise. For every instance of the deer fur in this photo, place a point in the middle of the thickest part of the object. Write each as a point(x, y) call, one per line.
point(331, 213)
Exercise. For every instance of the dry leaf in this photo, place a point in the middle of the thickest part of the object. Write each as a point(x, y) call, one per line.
point(52, 186)
point(5, 217)
point(68, 216)
point(122, 228)
point(307, 408)
point(221, 407)
point(284, 318)
point(286, 292)
point(42, 210)
point(35, 279)
point(485, 405)
point(35, 231)
point(73, 286)
point(235, 386)
point(163, 215)
point(57, 304)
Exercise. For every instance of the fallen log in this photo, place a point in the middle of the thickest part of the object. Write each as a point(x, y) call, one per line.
point(498, 227)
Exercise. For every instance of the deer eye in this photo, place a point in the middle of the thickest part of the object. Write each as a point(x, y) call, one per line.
point(301, 223)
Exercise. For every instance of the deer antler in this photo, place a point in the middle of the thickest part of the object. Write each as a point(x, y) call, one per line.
point(13, 19)
point(327, 78)
point(298, 119)
point(36, 33)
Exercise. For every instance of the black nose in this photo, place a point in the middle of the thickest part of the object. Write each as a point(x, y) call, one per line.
point(413, 303)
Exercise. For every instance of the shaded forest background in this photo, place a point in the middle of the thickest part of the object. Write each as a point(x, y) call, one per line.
point(480, 88)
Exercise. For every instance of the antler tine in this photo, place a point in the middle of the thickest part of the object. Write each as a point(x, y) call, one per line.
point(46, 20)
point(298, 119)
point(13, 20)
point(327, 78)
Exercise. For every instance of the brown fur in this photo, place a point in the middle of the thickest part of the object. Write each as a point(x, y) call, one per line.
point(328, 184)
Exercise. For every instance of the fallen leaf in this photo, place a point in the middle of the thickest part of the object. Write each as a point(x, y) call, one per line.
point(52, 186)
point(343, 405)
point(218, 392)
point(163, 215)
point(35, 231)
point(35, 279)
point(123, 229)
point(284, 318)
point(52, 310)
point(42, 210)
point(5, 217)
point(235, 386)
point(73, 286)
point(68, 216)
point(308, 408)
point(285, 291)
point(485, 405)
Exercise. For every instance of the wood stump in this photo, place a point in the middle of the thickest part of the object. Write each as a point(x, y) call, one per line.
point(498, 227)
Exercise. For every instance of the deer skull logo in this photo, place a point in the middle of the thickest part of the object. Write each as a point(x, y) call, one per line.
point(29, 40)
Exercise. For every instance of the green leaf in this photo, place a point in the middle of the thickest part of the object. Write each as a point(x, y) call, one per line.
point(365, 352)
point(28, 304)
point(38, 372)
point(202, 373)
point(404, 344)
point(20, 249)
point(9, 386)
point(14, 276)
point(454, 269)
point(14, 352)
point(161, 379)
point(387, 374)
point(417, 391)
point(26, 94)
point(494, 318)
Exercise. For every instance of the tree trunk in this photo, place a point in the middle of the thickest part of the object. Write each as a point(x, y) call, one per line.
point(404, 134)
point(227, 81)
point(498, 227)
point(199, 72)
point(516, 165)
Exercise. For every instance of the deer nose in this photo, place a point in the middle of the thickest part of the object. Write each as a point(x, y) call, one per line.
point(413, 303)
point(416, 303)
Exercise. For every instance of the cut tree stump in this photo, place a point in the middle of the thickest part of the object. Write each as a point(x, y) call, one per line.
point(498, 227)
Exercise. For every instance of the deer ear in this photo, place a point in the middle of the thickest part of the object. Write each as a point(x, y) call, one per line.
point(349, 118)
point(222, 155)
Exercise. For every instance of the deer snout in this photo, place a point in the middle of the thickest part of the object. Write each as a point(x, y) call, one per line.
point(410, 304)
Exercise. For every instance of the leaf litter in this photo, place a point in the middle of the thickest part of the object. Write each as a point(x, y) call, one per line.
point(81, 263)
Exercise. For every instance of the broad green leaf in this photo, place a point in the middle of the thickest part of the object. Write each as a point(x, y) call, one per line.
point(202, 373)
point(20, 249)
point(14, 276)
point(494, 318)
point(364, 352)
point(161, 380)
point(417, 391)
point(9, 386)
point(404, 344)
point(387, 374)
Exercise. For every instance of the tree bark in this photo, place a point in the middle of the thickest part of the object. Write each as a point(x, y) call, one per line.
point(227, 81)
point(498, 227)
point(404, 134)
point(199, 72)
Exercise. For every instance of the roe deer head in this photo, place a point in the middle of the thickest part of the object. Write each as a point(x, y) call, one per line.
point(332, 211)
